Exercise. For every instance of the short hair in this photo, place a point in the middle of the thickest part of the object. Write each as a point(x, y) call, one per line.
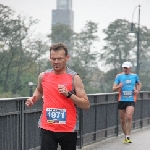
point(58, 46)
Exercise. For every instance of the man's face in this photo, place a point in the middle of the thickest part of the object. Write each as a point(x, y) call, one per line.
point(126, 70)
point(58, 60)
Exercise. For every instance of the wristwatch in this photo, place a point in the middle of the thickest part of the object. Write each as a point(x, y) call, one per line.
point(69, 95)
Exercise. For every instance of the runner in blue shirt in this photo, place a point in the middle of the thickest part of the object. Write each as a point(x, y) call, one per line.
point(128, 85)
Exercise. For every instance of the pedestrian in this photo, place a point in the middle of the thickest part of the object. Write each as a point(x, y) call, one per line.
point(128, 85)
point(62, 91)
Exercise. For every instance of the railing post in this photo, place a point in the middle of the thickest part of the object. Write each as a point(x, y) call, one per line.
point(117, 117)
point(95, 117)
point(149, 109)
point(141, 122)
point(81, 127)
point(18, 124)
point(106, 115)
point(22, 107)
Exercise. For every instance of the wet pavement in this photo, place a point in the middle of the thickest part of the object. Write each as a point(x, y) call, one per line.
point(140, 141)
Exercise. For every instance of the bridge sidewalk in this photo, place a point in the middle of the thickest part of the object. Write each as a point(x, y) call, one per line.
point(140, 139)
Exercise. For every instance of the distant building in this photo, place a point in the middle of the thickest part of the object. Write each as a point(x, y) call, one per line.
point(63, 13)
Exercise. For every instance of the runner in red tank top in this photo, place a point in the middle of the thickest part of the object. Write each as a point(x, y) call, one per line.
point(62, 91)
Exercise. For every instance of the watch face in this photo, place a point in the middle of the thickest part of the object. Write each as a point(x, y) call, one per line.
point(69, 94)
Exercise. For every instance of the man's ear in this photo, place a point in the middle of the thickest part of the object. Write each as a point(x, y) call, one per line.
point(67, 57)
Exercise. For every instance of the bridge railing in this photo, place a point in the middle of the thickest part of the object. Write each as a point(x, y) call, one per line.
point(19, 124)
point(102, 121)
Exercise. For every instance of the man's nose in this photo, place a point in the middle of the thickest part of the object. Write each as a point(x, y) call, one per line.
point(56, 60)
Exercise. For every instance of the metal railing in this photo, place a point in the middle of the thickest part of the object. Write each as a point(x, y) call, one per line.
point(19, 124)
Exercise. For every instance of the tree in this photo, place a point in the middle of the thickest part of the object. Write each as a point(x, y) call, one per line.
point(42, 49)
point(144, 47)
point(118, 45)
point(62, 33)
point(82, 60)
point(17, 51)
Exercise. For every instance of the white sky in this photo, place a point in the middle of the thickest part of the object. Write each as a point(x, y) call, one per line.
point(102, 12)
point(99, 11)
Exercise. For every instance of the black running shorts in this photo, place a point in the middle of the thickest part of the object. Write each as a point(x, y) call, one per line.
point(50, 140)
point(125, 104)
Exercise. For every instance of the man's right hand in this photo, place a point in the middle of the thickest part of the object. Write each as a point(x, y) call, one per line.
point(120, 85)
point(30, 101)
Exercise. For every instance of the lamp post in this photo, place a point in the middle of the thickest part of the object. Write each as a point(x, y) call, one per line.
point(138, 37)
point(31, 84)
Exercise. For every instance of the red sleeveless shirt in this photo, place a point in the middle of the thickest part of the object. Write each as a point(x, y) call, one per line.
point(59, 113)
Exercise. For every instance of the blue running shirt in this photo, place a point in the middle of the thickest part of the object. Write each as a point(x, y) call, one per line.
point(126, 93)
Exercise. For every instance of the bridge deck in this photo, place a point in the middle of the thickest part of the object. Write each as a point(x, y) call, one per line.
point(140, 139)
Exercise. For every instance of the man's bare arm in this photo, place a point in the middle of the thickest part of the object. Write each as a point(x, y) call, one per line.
point(139, 86)
point(81, 98)
point(38, 93)
point(116, 87)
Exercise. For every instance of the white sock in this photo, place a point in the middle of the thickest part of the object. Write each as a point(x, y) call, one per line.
point(127, 136)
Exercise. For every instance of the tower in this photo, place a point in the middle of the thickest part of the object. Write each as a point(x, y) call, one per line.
point(63, 13)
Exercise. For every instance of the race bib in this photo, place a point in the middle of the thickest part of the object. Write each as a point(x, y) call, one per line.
point(127, 93)
point(56, 116)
